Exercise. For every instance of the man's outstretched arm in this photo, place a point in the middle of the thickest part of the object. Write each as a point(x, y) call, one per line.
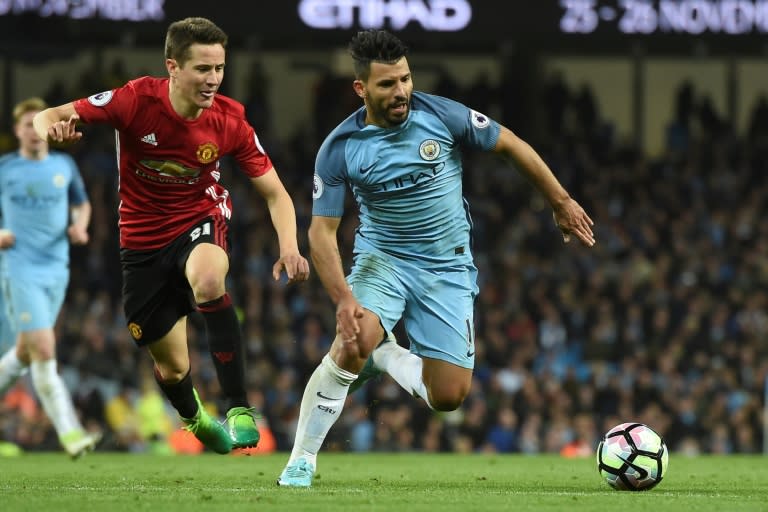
point(58, 124)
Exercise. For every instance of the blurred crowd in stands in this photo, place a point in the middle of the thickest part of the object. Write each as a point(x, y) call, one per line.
point(664, 321)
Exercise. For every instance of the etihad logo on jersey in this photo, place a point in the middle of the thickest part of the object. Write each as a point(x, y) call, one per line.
point(207, 153)
point(33, 199)
point(411, 179)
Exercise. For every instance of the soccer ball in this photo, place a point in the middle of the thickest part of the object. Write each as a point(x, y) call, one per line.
point(632, 457)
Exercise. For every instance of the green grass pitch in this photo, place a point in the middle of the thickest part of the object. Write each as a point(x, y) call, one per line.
point(370, 482)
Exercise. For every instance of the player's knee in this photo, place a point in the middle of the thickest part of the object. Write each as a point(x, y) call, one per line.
point(42, 352)
point(447, 398)
point(207, 286)
point(446, 404)
point(345, 350)
point(39, 347)
point(170, 374)
point(350, 355)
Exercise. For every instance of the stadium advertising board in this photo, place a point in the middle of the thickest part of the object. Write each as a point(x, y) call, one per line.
point(455, 24)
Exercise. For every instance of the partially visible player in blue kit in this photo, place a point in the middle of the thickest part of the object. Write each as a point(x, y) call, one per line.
point(400, 155)
point(44, 207)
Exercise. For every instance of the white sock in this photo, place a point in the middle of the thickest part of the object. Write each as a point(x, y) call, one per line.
point(54, 396)
point(10, 370)
point(321, 406)
point(403, 366)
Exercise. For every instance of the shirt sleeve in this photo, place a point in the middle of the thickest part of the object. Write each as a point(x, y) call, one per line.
point(470, 128)
point(329, 182)
point(249, 153)
point(77, 192)
point(116, 107)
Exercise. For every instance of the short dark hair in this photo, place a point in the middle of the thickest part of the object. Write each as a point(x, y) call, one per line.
point(375, 46)
point(184, 33)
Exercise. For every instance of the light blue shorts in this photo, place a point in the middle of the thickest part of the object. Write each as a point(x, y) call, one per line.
point(33, 304)
point(437, 306)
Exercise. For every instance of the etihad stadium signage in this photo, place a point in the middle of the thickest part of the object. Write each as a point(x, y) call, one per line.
point(435, 15)
point(588, 26)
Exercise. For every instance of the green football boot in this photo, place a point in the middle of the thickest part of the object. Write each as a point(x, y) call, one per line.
point(209, 431)
point(241, 424)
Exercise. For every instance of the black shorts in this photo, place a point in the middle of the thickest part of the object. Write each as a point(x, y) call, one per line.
point(156, 292)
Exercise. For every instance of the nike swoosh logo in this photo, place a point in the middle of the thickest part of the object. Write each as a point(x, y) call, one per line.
point(470, 347)
point(326, 397)
point(642, 471)
point(364, 170)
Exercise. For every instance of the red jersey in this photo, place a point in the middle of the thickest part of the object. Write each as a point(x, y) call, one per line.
point(169, 166)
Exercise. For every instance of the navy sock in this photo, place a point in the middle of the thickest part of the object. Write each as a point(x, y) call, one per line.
point(179, 394)
point(226, 346)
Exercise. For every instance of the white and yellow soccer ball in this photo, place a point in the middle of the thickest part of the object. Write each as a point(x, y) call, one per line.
point(632, 457)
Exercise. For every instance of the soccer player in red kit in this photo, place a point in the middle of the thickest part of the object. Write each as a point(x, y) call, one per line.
point(174, 215)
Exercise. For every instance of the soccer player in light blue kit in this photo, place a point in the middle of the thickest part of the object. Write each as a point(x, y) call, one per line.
point(400, 155)
point(44, 206)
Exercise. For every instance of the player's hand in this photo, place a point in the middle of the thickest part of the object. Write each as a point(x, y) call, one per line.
point(77, 235)
point(571, 218)
point(7, 238)
point(348, 315)
point(295, 266)
point(65, 132)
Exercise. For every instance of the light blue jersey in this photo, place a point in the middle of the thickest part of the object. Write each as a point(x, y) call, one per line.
point(413, 258)
point(35, 198)
point(406, 180)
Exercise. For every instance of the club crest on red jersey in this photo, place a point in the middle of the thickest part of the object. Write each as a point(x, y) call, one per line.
point(136, 331)
point(207, 153)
